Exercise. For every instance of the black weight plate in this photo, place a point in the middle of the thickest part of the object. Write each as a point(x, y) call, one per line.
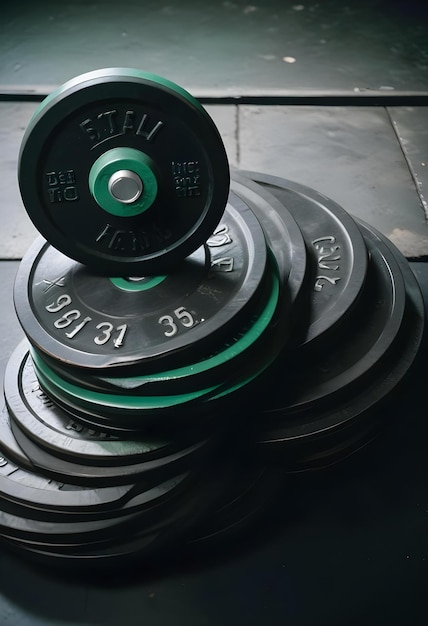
point(84, 542)
point(245, 499)
point(337, 255)
point(216, 368)
point(71, 529)
point(331, 450)
point(91, 475)
point(113, 551)
point(315, 438)
point(70, 533)
point(268, 330)
point(8, 445)
point(96, 422)
point(120, 407)
point(109, 541)
point(75, 162)
point(366, 339)
point(52, 428)
point(57, 432)
point(37, 496)
point(93, 322)
point(212, 369)
point(176, 424)
point(283, 234)
point(87, 474)
point(89, 546)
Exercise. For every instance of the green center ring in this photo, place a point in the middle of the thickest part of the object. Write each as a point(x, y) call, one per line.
point(138, 284)
point(123, 181)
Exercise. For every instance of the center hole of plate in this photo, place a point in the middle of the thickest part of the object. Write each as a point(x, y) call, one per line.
point(125, 186)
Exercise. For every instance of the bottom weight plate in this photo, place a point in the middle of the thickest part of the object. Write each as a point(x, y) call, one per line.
point(71, 532)
point(117, 551)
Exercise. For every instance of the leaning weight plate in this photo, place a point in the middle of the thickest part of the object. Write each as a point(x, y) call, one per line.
point(92, 321)
point(337, 254)
point(123, 171)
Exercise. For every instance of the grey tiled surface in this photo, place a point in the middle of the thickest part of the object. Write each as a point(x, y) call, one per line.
point(411, 125)
point(354, 155)
point(17, 231)
point(350, 154)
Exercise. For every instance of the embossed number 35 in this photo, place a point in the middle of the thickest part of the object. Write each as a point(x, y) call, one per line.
point(182, 316)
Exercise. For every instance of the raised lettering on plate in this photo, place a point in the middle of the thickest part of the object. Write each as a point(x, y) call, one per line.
point(61, 186)
point(186, 178)
point(328, 260)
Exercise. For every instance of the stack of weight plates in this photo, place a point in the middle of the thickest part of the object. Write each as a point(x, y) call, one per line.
point(189, 339)
point(358, 335)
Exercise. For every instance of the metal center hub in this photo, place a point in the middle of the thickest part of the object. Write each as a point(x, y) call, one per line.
point(125, 186)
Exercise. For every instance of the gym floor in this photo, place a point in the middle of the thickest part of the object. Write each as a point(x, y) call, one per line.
point(331, 95)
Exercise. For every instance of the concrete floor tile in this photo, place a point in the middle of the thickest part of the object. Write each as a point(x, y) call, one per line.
point(350, 154)
point(17, 230)
point(411, 126)
point(225, 118)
